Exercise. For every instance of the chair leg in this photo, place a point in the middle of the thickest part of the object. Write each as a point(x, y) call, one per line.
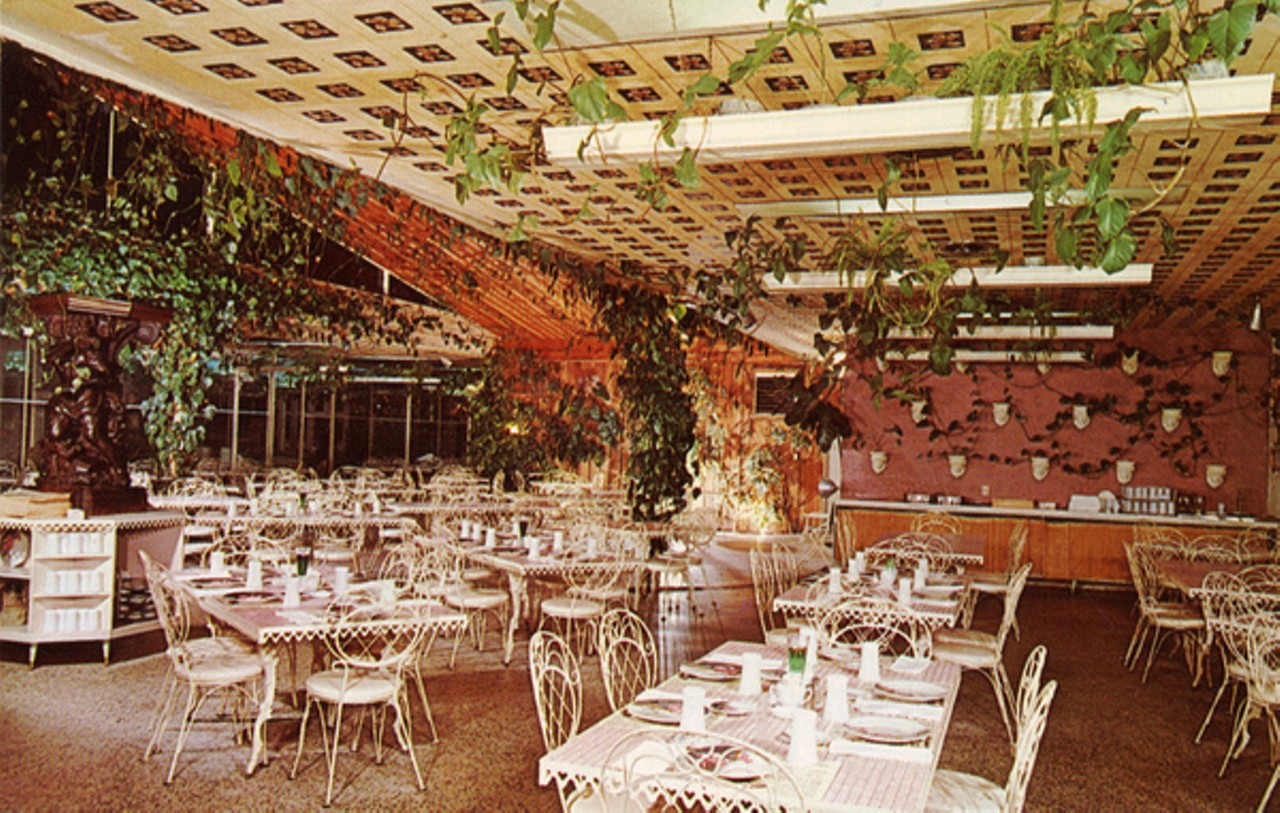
point(170, 693)
point(1212, 708)
point(302, 737)
point(402, 729)
point(332, 756)
point(194, 701)
point(1275, 775)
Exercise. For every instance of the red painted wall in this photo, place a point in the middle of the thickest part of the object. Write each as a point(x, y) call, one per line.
point(1232, 428)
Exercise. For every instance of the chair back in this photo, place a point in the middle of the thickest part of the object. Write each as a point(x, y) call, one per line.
point(1263, 660)
point(1030, 732)
point(913, 545)
point(628, 656)
point(862, 619)
point(1017, 545)
point(557, 687)
point(172, 608)
point(1029, 685)
point(662, 769)
point(936, 522)
point(1016, 585)
point(772, 574)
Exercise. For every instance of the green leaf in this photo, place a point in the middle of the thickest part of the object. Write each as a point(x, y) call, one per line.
point(590, 100)
point(705, 85)
point(1119, 252)
point(545, 26)
point(1113, 214)
point(1228, 28)
point(273, 167)
point(686, 170)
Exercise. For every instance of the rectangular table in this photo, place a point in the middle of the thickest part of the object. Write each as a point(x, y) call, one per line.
point(877, 778)
point(518, 567)
point(813, 601)
point(1188, 576)
point(271, 625)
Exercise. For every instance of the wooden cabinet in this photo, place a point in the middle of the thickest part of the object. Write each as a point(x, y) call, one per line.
point(1061, 546)
point(68, 588)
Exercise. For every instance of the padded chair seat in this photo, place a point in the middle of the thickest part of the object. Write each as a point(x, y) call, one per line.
point(1176, 616)
point(966, 657)
point(994, 585)
point(219, 645)
point(973, 638)
point(361, 689)
point(221, 669)
point(964, 792)
point(476, 599)
point(569, 607)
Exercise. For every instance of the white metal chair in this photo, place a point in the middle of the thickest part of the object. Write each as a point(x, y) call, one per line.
point(664, 769)
point(772, 574)
point(205, 666)
point(371, 656)
point(1161, 619)
point(936, 522)
point(864, 619)
point(996, 584)
point(984, 651)
point(557, 696)
point(1264, 692)
point(953, 790)
point(590, 586)
point(628, 656)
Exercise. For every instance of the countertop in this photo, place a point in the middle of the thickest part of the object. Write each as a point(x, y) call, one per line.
point(1059, 514)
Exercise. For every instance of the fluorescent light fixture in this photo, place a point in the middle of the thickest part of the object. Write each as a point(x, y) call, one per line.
point(998, 356)
point(828, 130)
point(1011, 276)
point(921, 204)
point(1019, 333)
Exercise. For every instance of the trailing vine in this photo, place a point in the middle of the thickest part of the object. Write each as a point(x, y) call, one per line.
point(173, 226)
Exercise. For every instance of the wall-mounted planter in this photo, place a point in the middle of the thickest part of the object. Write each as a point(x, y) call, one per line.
point(1129, 362)
point(1080, 415)
point(879, 461)
point(1124, 471)
point(1170, 419)
point(1221, 361)
point(1039, 467)
point(918, 410)
point(958, 464)
point(1215, 474)
point(1000, 412)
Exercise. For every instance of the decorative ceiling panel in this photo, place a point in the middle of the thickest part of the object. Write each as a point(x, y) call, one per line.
point(373, 82)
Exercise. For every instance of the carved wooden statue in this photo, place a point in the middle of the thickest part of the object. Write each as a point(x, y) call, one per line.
point(83, 451)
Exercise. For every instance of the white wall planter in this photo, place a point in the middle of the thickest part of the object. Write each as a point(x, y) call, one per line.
point(879, 461)
point(1124, 471)
point(1039, 467)
point(1215, 474)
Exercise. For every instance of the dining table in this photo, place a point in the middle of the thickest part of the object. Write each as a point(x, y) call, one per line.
point(857, 768)
point(938, 602)
point(513, 558)
point(267, 617)
point(965, 550)
point(1187, 575)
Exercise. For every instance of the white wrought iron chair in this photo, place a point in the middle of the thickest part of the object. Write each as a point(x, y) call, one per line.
point(371, 656)
point(628, 656)
point(984, 651)
point(863, 619)
point(205, 666)
point(772, 574)
point(996, 584)
point(557, 696)
point(936, 522)
point(1161, 619)
point(664, 769)
point(953, 790)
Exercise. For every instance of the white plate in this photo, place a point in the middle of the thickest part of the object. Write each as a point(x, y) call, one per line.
point(912, 691)
point(711, 671)
point(727, 761)
point(729, 708)
point(937, 591)
point(890, 730)
point(15, 548)
point(840, 653)
point(662, 712)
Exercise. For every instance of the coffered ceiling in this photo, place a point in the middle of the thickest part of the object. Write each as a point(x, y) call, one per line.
point(326, 78)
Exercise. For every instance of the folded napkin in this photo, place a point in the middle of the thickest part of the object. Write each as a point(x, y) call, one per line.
point(909, 665)
point(898, 708)
point(766, 664)
point(657, 696)
point(916, 752)
point(299, 616)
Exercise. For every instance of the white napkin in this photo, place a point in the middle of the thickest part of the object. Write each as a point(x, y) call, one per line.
point(908, 665)
point(766, 664)
point(898, 708)
point(876, 750)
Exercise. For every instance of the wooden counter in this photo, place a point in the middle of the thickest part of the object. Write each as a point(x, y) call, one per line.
point(1061, 545)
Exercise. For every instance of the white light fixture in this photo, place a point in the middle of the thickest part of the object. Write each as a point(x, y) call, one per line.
point(850, 129)
point(1255, 321)
point(1011, 276)
point(1017, 333)
point(997, 356)
point(921, 204)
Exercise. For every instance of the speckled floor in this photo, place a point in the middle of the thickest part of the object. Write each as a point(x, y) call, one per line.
point(72, 731)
